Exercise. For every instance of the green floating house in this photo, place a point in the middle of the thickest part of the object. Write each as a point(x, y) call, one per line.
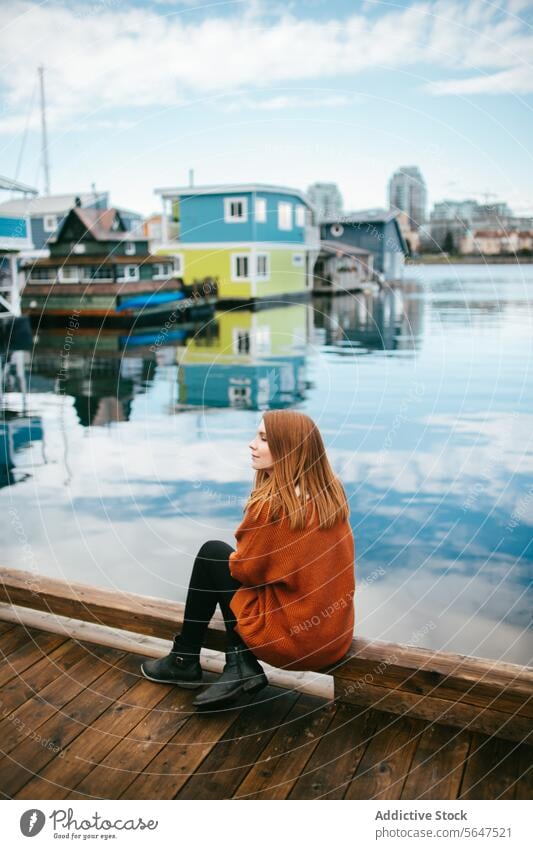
point(99, 268)
point(258, 241)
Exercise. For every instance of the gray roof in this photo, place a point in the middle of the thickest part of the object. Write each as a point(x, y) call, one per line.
point(48, 204)
point(381, 215)
point(342, 248)
point(231, 189)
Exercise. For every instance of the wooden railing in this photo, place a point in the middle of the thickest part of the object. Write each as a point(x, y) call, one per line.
point(489, 696)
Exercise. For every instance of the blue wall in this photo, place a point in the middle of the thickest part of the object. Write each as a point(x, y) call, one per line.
point(202, 219)
point(13, 228)
point(379, 237)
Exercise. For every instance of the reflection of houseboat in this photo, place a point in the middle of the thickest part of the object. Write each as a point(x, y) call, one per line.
point(106, 274)
point(256, 361)
point(259, 241)
point(364, 322)
point(17, 431)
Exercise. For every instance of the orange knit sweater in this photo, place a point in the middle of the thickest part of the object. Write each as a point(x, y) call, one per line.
point(295, 608)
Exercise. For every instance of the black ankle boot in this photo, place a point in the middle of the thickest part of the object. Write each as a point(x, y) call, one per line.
point(181, 667)
point(242, 674)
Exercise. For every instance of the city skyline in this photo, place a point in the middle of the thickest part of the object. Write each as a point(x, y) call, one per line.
point(343, 93)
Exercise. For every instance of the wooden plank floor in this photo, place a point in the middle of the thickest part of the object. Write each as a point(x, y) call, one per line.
point(78, 721)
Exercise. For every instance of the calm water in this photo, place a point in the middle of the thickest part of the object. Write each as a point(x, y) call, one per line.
point(118, 473)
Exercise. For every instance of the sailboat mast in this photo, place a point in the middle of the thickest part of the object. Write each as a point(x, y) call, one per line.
point(44, 136)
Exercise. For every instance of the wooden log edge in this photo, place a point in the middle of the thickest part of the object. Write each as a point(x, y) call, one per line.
point(481, 694)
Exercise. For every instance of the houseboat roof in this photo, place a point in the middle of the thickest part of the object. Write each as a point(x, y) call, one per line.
point(99, 222)
point(381, 215)
point(231, 188)
point(50, 204)
point(342, 248)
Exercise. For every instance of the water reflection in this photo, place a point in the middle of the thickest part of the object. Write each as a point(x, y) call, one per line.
point(365, 322)
point(255, 361)
point(424, 396)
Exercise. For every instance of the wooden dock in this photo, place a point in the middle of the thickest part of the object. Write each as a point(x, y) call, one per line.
point(78, 721)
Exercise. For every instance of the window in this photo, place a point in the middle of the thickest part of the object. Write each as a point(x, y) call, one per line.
point(300, 216)
point(241, 341)
point(43, 273)
point(129, 248)
point(298, 259)
point(284, 216)
point(235, 209)
point(127, 272)
point(240, 265)
point(78, 249)
point(260, 210)
point(262, 267)
point(162, 270)
point(50, 223)
point(97, 272)
point(69, 274)
point(178, 264)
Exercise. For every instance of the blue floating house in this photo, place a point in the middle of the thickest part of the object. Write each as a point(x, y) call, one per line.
point(257, 241)
point(376, 231)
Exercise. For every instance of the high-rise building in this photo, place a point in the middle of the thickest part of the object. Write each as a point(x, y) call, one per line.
point(327, 200)
point(407, 192)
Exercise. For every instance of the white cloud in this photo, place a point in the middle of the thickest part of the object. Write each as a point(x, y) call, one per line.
point(517, 80)
point(102, 57)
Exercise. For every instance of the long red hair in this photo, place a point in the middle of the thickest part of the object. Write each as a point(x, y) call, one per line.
point(299, 459)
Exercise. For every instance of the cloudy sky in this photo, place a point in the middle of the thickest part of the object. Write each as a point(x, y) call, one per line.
point(140, 91)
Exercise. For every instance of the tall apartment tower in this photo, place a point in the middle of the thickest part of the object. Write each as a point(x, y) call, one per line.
point(407, 191)
point(327, 200)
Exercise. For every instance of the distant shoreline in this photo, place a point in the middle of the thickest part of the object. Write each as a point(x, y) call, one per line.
point(436, 259)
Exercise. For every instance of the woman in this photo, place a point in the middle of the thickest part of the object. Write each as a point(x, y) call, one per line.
point(286, 592)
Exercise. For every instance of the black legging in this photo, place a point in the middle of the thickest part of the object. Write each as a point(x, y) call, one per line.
point(211, 584)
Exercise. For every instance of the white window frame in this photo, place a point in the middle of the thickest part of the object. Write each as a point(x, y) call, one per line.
point(299, 215)
point(129, 248)
point(126, 276)
point(48, 227)
point(229, 218)
point(179, 264)
point(234, 260)
point(260, 210)
point(298, 260)
point(163, 276)
point(259, 275)
point(284, 215)
point(74, 277)
point(239, 333)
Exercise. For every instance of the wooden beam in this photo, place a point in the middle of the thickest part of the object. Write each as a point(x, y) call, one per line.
point(115, 608)
point(482, 694)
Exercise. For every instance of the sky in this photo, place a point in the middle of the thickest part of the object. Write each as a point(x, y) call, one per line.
point(138, 93)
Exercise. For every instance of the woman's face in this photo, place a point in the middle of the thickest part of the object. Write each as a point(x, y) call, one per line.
point(261, 456)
